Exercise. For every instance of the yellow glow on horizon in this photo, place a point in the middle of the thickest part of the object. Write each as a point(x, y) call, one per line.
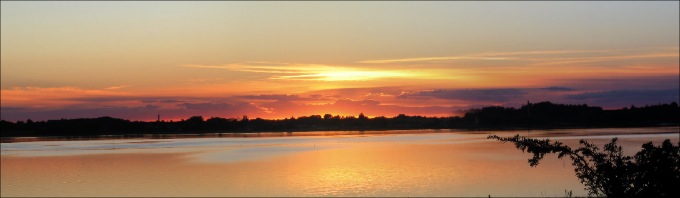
point(346, 75)
point(315, 72)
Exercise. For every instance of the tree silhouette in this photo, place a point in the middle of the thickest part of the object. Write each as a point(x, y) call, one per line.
point(362, 116)
point(652, 172)
point(542, 115)
point(195, 123)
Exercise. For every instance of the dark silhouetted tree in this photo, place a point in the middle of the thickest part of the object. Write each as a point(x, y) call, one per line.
point(532, 115)
point(652, 172)
point(195, 123)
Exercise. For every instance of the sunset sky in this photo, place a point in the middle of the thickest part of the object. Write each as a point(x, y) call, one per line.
point(134, 60)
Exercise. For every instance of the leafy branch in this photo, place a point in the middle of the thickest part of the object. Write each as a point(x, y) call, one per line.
point(652, 172)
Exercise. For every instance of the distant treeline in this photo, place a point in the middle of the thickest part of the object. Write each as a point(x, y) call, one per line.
point(529, 116)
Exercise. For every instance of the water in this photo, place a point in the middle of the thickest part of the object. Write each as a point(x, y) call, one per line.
point(392, 163)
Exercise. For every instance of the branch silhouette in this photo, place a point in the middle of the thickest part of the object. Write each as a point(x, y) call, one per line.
point(652, 172)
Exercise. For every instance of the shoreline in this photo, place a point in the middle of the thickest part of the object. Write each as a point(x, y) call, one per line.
point(20, 139)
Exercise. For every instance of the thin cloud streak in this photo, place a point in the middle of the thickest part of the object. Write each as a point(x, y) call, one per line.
point(625, 97)
point(314, 72)
point(428, 59)
point(52, 96)
point(481, 56)
point(274, 69)
point(565, 61)
point(486, 95)
point(591, 56)
point(377, 101)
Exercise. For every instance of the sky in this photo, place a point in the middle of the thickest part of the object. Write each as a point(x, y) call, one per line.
point(274, 60)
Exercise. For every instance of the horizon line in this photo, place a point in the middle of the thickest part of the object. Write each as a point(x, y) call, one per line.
point(341, 116)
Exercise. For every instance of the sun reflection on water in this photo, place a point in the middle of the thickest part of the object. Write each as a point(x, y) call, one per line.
point(456, 164)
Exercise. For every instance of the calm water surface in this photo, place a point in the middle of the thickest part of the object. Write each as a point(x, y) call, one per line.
point(396, 163)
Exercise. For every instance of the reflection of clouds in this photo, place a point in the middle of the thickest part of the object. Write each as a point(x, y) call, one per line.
point(258, 152)
point(230, 149)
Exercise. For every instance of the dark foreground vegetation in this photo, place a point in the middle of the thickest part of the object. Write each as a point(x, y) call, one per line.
point(532, 116)
point(653, 172)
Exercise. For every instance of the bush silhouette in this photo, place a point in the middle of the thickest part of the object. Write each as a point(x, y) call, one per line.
point(652, 172)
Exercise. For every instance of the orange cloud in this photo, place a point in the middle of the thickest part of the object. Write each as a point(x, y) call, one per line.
point(40, 97)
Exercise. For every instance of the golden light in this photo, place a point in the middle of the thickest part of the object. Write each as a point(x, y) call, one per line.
point(316, 72)
point(345, 75)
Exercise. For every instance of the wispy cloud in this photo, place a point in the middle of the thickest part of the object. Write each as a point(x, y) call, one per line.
point(545, 56)
point(50, 96)
point(556, 88)
point(625, 97)
point(275, 97)
point(481, 56)
point(488, 95)
point(272, 69)
point(593, 59)
point(312, 72)
point(117, 87)
point(428, 59)
point(347, 75)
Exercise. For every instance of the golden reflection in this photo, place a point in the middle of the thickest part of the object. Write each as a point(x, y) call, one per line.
point(333, 166)
point(384, 169)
